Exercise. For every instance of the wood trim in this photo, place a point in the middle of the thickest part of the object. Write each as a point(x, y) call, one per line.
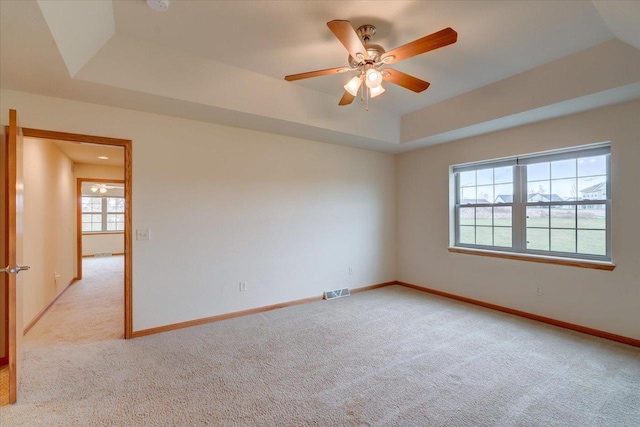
point(113, 254)
point(532, 258)
point(585, 330)
point(372, 287)
point(74, 137)
point(101, 233)
point(12, 175)
point(128, 215)
point(5, 359)
point(128, 240)
point(106, 181)
point(217, 318)
point(211, 319)
point(44, 310)
point(78, 229)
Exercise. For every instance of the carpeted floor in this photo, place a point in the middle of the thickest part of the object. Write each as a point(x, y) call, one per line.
point(392, 356)
point(90, 310)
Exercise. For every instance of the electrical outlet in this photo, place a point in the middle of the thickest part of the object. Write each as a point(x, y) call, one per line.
point(538, 290)
point(243, 286)
point(350, 271)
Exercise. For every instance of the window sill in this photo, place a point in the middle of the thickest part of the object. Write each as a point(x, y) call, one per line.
point(598, 265)
point(94, 233)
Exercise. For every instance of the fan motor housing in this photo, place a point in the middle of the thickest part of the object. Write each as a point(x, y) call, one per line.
point(375, 52)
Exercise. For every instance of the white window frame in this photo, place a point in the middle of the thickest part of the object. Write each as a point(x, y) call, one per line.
point(104, 214)
point(520, 202)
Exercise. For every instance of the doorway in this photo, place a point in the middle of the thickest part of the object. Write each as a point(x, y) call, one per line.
point(125, 146)
point(13, 335)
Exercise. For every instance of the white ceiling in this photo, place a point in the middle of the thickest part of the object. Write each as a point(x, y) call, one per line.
point(224, 61)
point(496, 39)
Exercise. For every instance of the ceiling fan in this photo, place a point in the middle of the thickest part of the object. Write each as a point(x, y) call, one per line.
point(103, 188)
point(369, 59)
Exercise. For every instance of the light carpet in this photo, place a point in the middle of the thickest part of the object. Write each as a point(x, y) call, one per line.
point(391, 356)
point(90, 310)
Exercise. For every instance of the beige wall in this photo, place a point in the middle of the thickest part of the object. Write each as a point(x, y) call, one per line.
point(288, 216)
point(100, 243)
point(49, 224)
point(608, 301)
point(83, 170)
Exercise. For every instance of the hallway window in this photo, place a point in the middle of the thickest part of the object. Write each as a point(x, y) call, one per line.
point(101, 214)
point(115, 213)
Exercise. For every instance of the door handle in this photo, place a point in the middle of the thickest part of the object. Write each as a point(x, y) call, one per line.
point(15, 270)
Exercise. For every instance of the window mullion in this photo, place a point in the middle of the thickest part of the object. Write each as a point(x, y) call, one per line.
point(104, 213)
point(518, 215)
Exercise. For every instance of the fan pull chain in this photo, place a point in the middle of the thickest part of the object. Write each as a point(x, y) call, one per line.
point(367, 107)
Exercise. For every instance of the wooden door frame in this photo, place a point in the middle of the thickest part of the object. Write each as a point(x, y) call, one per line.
point(79, 182)
point(128, 214)
point(4, 360)
point(13, 155)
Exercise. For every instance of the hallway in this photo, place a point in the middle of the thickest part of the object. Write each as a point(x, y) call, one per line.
point(90, 310)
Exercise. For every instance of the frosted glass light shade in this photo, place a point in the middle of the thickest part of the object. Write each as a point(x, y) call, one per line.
point(375, 91)
point(374, 78)
point(353, 86)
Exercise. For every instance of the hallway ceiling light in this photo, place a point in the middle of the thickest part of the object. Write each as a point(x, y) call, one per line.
point(158, 5)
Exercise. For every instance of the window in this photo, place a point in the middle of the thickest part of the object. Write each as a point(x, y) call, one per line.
point(100, 214)
point(547, 204)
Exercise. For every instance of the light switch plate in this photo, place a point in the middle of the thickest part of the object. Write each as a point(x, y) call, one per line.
point(143, 234)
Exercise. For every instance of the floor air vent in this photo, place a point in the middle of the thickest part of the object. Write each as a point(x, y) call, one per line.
point(338, 293)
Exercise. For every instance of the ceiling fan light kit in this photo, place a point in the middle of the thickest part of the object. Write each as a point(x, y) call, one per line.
point(368, 59)
point(354, 85)
point(375, 91)
point(101, 188)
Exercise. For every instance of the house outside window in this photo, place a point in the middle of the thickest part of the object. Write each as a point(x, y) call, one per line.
point(553, 203)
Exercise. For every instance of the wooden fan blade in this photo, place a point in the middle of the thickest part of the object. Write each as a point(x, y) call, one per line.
point(346, 99)
point(433, 41)
point(316, 73)
point(405, 80)
point(348, 37)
